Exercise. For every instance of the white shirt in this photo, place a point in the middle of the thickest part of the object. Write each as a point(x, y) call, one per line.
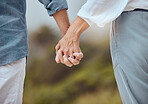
point(102, 12)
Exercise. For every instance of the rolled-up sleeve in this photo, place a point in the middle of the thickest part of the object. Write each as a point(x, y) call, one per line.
point(53, 6)
point(102, 12)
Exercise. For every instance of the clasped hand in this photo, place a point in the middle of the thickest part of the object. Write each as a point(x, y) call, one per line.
point(68, 51)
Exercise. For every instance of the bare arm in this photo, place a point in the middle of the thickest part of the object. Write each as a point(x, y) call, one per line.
point(69, 44)
point(77, 28)
point(61, 18)
point(58, 9)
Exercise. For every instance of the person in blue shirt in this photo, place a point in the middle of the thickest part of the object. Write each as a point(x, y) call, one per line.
point(14, 44)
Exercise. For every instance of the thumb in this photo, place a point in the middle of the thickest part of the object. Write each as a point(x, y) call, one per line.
point(78, 56)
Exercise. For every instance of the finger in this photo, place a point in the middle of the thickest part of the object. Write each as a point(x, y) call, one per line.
point(57, 59)
point(71, 54)
point(67, 62)
point(73, 61)
point(57, 47)
point(60, 56)
point(66, 53)
point(78, 56)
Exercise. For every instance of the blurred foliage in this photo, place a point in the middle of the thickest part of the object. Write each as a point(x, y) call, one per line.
point(91, 82)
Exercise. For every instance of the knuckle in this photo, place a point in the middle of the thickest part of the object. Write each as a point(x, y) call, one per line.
point(77, 63)
point(62, 62)
point(65, 50)
point(82, 55)
point(59, 51)
point(69, 65)
point(75, 50)
point(78, 58)
point(57, 46)
point(65, 61)
point(61, 58)
point(72, 60)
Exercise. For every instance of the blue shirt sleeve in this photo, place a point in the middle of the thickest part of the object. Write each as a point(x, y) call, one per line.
point(53, 6)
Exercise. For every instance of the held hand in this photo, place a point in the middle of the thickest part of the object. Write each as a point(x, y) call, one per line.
point(68, 46)
point(76, 59)
point(68, 51)
point(73, 60)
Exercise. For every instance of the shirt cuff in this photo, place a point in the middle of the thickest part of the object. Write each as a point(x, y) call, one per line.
point(85, 17)
point(56, 6)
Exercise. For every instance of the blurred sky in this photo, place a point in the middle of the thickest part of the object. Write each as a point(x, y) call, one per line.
point(37, 16)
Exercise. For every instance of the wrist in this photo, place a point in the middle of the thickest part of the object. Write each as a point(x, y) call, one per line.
point(78, 27)
point(74, 33)
point(63, 32)
point(61, 18)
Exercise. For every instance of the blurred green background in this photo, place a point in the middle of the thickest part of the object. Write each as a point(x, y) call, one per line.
point(91, 82)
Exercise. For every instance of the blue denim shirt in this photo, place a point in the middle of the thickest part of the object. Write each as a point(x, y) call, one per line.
point(13, 29)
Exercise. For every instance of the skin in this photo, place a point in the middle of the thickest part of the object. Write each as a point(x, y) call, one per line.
point(62, 20)
point(69, 44)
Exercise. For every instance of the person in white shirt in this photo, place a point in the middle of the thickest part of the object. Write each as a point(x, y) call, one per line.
point(128, 42)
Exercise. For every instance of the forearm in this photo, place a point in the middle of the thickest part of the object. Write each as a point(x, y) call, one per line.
point(69, 44)
point(78, 27)
point(62, 20)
